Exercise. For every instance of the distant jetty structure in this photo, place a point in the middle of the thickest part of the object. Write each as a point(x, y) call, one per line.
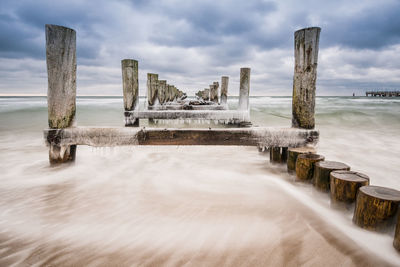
point(380, 93)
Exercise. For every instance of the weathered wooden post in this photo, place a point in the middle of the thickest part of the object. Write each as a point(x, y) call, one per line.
point(376, 207)
point(130, 85)
point(152, 80)
point(396, 240)
point(61, 92)
point(224, 90)
point(214, 92)
point(306, 42)
point(206, 94)
point(244, 89)
point(162, 91)
point(275, 155)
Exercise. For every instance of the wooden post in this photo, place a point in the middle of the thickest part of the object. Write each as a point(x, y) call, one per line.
point(322, 170)
point(214, 92)
point(305, 165)
point(130, 85)
point(244, 89)
point(306, 42)
point(275, 155)
point(224, 89)
point(206, 94)
point(345, 184)
point(61, 92)
point(396, 240)
point(293, 153)
point(151, 88)
point(162, 91)
point(376, 207)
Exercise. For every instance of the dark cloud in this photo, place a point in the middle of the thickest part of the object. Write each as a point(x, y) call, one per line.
point(203, 39)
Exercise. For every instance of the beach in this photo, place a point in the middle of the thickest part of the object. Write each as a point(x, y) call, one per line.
point(193, 205)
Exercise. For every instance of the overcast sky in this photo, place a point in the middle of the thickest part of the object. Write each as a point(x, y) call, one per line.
point(193, 43)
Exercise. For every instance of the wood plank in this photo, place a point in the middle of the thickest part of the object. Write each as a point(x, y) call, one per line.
point(253, 136)
point(227, 115)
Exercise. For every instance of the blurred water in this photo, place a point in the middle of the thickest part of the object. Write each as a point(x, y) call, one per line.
point(188, 205)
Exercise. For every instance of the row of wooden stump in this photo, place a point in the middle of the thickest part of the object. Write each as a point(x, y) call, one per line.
point(376, 207)
point(211, 94)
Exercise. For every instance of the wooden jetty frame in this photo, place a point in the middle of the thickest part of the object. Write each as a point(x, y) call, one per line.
point(383, 93)
point(63, 136)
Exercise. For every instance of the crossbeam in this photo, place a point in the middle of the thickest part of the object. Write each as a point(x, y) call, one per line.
point(252, 136)
point(228, 115)
point(187, 107)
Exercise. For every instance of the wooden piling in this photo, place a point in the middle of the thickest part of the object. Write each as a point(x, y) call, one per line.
point(206, 94)
point(275, 155)
point(214, 92)
point(244, 92)
point(61, 92)
point(293, 153)
point(376, 208)
point(162, 91)
point(345, 184)
point(322, 170)
point(305, 165)
point(152, 80)
point(130, 85)
point(306, 42)
point(224, 89)
point(396, 240)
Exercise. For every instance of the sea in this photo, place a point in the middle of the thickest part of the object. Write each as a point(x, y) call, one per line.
point(186, 205)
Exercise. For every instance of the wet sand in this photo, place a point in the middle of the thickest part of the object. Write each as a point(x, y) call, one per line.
point(222, 207)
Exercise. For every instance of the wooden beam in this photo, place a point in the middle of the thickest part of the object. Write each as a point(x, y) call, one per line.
point(229, 115)
point(183, 106)
point(253, 136)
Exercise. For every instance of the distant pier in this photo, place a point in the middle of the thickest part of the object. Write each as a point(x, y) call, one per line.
point(383, 93)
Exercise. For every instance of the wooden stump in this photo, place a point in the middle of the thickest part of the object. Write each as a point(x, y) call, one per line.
point(322, 170)
point(345, 184)
point(376, 207)
point(152, 80)
point(305, 165)
point(275, 155)
point(293, 153)
point(396, 241)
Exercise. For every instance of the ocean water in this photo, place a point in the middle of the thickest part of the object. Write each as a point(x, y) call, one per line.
point(188, 205)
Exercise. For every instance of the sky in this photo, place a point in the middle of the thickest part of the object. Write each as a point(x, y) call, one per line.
point(193, 43)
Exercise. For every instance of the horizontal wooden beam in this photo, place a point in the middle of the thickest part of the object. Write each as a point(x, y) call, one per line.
point(188, 107)
point(226, 115)
point(253, 136)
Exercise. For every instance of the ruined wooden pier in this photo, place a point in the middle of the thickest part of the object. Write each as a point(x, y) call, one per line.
point(375, 207)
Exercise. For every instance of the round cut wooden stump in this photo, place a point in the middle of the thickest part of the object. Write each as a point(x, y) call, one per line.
point(376, 207)
point(322, 170)
point(305, 165)
point(345, 184)
point(293, 153)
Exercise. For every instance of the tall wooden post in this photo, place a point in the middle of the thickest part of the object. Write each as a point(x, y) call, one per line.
point(244, 89)
point(162, 91)
point(130, 85)
point(152, 80)
point(306, 42)
point(224, 89)
point(61, 92)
